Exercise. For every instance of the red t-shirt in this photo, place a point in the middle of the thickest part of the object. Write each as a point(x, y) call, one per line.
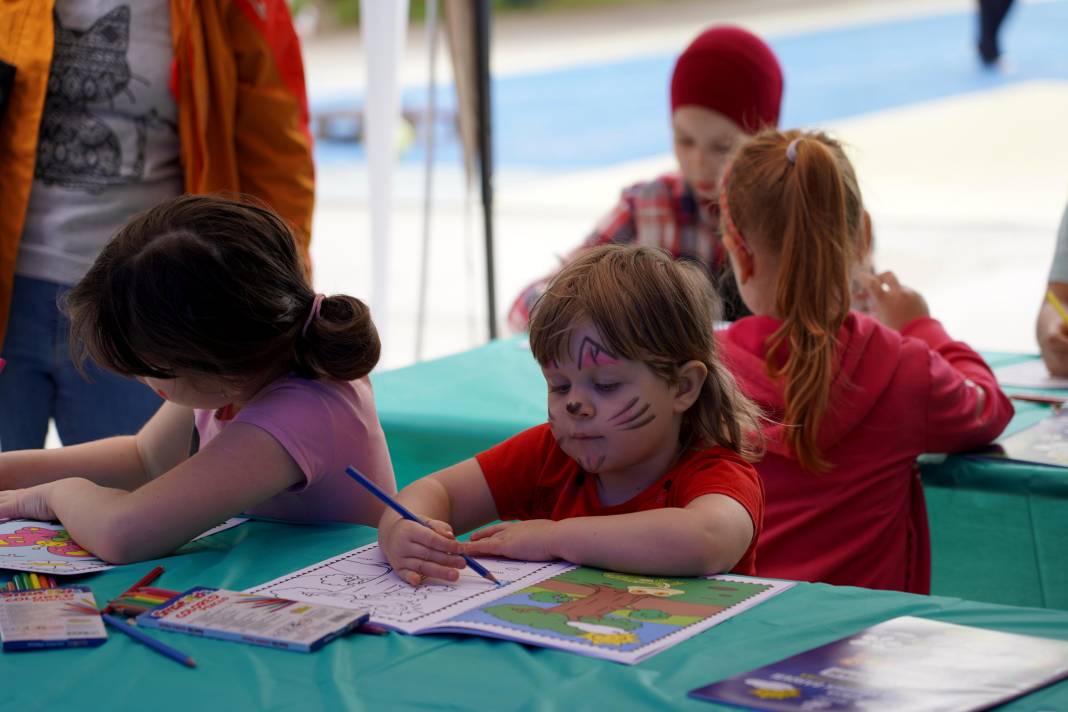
point(530, 477)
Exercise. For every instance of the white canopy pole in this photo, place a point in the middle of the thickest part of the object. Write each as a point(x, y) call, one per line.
point(383, 25)
point(429, 125)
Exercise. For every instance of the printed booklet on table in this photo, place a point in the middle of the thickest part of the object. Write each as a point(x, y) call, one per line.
point(905, 663)
point(620, 617)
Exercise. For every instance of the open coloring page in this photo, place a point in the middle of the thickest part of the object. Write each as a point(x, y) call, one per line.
point(362, 578)
point(621, 617)
point(46, 547)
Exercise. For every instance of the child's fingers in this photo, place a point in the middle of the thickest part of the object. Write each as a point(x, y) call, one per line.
point(488, 531)
point(443, 528)
point(889, 280)
point(439, 557)
point(485, 547)
point(428, 569)
point(432, 540)
point(409, 577)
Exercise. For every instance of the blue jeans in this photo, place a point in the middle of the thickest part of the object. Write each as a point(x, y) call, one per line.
point(41, 382)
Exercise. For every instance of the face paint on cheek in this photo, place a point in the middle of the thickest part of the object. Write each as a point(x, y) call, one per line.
point(592, 463)
point(627, 407)
point(640, 423)
point(634, 418)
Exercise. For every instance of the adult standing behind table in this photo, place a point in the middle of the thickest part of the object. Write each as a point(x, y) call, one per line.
point(726, 84)
point(117, 106)
point(1051, 329)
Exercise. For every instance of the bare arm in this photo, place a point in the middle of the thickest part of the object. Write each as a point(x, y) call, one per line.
point(708, 536)
point(1052, 333)
point(241, 467)
point(456, 498)
point(125, 462)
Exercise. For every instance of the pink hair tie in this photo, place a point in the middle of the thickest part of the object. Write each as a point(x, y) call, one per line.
point(314, 313)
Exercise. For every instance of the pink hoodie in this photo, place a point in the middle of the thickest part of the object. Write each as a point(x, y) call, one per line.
point(864, 522)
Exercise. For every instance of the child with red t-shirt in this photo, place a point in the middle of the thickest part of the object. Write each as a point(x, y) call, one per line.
point(643, 463)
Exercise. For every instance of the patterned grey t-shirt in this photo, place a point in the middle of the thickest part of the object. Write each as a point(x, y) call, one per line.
point(108, 142)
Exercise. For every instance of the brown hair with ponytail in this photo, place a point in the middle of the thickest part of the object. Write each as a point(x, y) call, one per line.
point(796, 194)
point(207, 286)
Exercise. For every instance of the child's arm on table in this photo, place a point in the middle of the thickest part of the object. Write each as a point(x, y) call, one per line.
point(708, 536)
point(456, 498)
point(239, 468)
point(124, 462)
point(965, 406)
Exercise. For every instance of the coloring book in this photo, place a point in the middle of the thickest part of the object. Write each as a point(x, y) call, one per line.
point(46, 547)
point(621, 617)
point(905, 663)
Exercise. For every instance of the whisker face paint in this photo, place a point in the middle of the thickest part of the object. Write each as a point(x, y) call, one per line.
point(627, 407)
point(641, 423)
point(629, 424)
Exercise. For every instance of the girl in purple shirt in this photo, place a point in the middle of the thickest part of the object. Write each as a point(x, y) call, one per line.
point(206, 301)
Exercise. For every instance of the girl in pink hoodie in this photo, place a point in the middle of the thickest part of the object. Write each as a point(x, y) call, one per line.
point(851, 399)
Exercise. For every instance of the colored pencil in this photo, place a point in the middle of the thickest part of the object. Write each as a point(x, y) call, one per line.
point(147, 578)
point(140, 636)
point(403, 511)
point(158, 592)
point(1052, 299)
point(1036, 398)
point(10, 585)
point(144, 581)
point(34, 581)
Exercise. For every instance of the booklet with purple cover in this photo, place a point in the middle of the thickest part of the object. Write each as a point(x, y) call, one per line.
point(905, 663)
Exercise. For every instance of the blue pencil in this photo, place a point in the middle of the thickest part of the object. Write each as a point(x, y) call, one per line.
point(403, 511)
point(141, 637)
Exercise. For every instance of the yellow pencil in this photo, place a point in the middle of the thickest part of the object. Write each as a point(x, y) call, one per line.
point(1052, 299)
point(34, 581)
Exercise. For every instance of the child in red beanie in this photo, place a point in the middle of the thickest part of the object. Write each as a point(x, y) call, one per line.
point(725, 85)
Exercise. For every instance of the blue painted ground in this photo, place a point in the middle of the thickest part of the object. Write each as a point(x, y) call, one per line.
point(601, 114)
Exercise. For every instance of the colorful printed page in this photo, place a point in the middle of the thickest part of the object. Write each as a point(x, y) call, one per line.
point(619, 617)
point(1045, 442)
point(46, 547)
point(905, 663)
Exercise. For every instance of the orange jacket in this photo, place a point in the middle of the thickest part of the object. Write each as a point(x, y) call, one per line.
point(238, 81)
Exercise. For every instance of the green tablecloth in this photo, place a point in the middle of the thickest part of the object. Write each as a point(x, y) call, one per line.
point(366, 672)
point(999, 531)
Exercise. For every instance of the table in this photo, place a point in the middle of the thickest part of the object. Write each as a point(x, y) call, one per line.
point(999, 531)
point(366, 672)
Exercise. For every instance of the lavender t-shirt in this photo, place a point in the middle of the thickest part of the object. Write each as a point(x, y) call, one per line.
point(325, 426)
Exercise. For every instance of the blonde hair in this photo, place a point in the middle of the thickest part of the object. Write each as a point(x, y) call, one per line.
point(649, 308)
point(796, 193)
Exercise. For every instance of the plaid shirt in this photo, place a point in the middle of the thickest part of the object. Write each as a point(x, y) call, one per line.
point(659, 213)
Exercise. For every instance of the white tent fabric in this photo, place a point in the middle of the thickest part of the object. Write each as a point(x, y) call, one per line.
point(383, 25)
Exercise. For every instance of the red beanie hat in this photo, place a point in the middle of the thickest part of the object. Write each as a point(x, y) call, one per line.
point(731, 71)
